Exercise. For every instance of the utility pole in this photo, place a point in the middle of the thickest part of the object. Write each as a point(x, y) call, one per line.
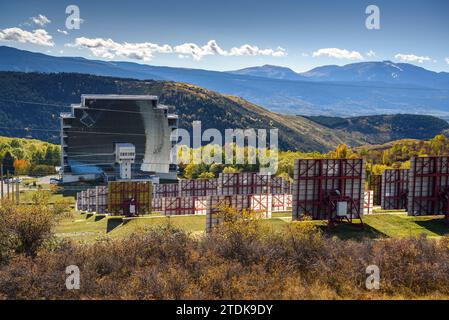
point(18, 192)
point(12, 188)
point(1, 178)
point(7, 184)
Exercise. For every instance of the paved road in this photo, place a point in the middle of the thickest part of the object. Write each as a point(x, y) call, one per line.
point(46, 179)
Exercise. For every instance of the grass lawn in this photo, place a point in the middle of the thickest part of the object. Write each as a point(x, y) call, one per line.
point(87, 227)
point(377, 226)
point(26, 197)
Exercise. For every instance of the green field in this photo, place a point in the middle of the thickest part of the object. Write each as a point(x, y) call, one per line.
point(88, 227)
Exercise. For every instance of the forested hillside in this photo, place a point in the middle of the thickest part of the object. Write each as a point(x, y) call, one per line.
point(28, 156)
point(380, 129)
point(30, 104)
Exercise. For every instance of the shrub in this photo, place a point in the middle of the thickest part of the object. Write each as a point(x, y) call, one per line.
point(239, 260)
point(23, 229)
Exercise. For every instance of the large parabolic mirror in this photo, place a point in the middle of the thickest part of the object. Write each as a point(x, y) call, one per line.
point(101, 121)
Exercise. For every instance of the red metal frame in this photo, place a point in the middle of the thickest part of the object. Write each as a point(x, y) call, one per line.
point(156, 204)
point(319, 183)
point(281, 202)
point(198, 187)
point(101, 199)
point(132, 190)
point(244, 183)
point(375, 184)
point(395, 189)
point(182, 205)
point(429, 186)
point(166, 190)
point(368, 202)
point(279, 185)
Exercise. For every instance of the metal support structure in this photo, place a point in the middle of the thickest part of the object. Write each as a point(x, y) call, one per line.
point(375, 184)
point(429, 186)
point(395, 189)
point(319, 184)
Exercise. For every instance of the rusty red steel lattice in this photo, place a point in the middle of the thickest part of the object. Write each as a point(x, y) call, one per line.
point(91, 200)
point(243, 183)
point(173, 199)
point(281, 202)
point(319, 184)
point(429, 186)
point(183, 205)
point(395, 184)
point(101, 199)
point(198, 187)
point(165, 190)
point(375, 184)
point(279, 185)
point(79, 201)
point(368, 202)
point(124, 194)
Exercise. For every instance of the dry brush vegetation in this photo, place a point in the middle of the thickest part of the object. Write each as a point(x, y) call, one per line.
point(240, 260)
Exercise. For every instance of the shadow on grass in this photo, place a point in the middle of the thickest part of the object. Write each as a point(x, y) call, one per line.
point(113, 223)
point(89, 215)
point(353, 231)
point(437, 226)
point(99, 217)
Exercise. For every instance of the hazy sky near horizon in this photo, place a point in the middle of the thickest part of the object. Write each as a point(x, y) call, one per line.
point(228, 35)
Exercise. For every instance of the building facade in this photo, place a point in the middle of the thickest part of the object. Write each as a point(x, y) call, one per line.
point(93, 129)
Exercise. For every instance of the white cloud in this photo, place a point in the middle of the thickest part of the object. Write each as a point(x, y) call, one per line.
point(62, 31)
point(38, 36)
point(412, 58)
point(212, 48)
point(447, 60)
point(249, 50)
point(40, 20)
point(338, 53)
point(371, 54)
point(109, 49)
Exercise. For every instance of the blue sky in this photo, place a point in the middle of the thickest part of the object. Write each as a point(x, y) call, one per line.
point(296, 34)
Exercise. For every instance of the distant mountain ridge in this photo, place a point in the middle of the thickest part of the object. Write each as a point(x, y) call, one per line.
point(356, 89)
point(385, 71)
point(270, 71)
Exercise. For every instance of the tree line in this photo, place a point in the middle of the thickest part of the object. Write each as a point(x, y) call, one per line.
point(28, 157)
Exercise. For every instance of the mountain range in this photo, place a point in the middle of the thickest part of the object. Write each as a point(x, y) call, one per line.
point(357, 89)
